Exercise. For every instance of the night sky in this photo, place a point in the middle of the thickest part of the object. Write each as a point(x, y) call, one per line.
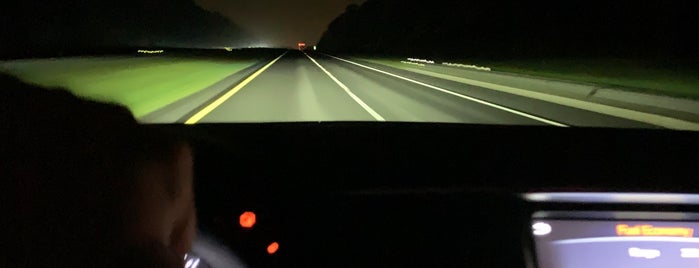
point(281, 23)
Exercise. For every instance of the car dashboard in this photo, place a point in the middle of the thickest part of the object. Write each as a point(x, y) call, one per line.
point(443, 195)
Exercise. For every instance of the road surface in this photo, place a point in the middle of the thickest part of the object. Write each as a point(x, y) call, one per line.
point(318, 87)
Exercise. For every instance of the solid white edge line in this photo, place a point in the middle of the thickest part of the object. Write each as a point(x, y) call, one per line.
point(490, 104)
point(366, 107)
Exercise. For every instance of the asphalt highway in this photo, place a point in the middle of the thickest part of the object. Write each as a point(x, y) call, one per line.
point(299, 86)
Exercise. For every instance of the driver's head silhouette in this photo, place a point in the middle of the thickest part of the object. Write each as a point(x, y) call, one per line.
point(87, 186)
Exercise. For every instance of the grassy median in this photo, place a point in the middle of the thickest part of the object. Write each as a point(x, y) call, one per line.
point(143, 84)
point(655, 78)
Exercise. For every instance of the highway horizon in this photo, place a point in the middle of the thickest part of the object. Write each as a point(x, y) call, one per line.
point(302, 86)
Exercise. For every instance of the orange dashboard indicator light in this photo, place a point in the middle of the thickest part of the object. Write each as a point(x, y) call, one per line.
point(247, 219)
point(272, 248)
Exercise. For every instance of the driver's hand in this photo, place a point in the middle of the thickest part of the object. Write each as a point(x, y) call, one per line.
point(165, 204)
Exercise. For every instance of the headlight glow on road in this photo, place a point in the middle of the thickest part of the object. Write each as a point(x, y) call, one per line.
point(412, 63)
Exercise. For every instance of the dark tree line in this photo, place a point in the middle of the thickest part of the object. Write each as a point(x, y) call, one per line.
point(52, 25)
point(507, 29)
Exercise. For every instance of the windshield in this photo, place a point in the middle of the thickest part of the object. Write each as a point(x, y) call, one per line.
point(618, 64)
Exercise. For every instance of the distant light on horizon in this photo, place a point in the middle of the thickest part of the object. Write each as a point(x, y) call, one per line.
point(280, 23)
point(262, 44)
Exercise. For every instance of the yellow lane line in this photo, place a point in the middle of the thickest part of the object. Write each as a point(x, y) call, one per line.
point(201, 114)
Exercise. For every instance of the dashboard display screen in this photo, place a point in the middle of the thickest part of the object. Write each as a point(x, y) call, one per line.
point(616, 242)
